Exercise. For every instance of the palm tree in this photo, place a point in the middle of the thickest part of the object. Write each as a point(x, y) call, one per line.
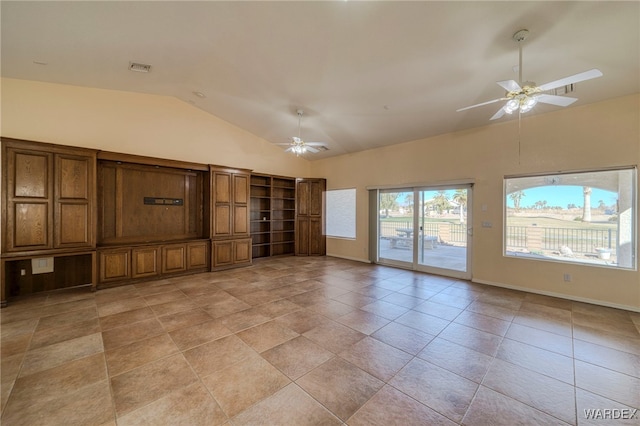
point(408, 199)
point(586, 208)
point(460, 197)
point(388, 202)
point(441, 201)
point(516, 196)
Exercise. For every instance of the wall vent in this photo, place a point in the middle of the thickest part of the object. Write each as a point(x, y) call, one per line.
point(138, 67)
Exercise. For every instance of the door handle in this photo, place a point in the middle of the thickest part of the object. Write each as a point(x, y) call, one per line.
point(470, 231)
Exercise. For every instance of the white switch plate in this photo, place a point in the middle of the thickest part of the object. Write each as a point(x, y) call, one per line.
point(487, 225)
point(42, 265)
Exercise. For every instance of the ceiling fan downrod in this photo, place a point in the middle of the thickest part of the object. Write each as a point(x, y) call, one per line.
point(520, 36)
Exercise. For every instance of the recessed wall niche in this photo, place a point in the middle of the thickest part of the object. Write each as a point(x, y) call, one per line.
point(126, 215)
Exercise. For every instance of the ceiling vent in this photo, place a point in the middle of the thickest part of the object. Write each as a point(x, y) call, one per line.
point(137, 67)
point(563, 90)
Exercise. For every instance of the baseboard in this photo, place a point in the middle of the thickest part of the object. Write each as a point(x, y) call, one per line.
point(349, 258)
point(559, 295)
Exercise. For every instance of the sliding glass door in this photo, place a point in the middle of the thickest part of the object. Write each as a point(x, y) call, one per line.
point(426, 229)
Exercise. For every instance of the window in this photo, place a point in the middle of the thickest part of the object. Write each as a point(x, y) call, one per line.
point(586, 217)
point(341, 213)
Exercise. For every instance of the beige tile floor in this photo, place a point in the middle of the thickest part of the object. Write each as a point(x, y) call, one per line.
point(295, 341)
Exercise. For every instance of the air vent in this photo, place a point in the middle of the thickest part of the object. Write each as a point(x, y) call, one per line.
point(137, 67)
point(563, 90)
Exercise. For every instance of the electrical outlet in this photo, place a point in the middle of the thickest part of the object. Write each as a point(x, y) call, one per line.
point(567, 278)
point(487, 224)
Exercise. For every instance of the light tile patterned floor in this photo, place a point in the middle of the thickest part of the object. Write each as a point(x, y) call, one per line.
point(294, 341)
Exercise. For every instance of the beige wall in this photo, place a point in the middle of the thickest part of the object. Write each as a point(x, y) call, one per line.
point(591, 136)
point(598, 135)
point(135, 123)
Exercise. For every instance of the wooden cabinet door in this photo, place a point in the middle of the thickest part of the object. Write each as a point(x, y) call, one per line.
point(222, 220)
point(242, 251)
point(302, 236)
point(197, 255)
point(240, 204)
point(74, 200)
point(316, 188)
point(316, 237)
point(115, 265)
point(222, 196)
point(222, 253)
point(310, 238)
point(144, 262)
point(231, 252)
point(303, 193)
point(240, 188)
point(174, 258)
point(29, 200)
point(230, 203)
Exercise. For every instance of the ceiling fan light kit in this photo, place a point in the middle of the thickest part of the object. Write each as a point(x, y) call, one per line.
point(299, 146)
point(524, 96)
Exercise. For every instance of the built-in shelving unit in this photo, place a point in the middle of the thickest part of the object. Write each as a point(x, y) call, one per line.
point(272, 217)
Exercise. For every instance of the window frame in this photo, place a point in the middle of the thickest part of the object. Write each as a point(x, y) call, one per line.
point(555, 178)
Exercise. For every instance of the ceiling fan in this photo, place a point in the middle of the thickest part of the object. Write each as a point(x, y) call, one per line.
point(525, 95)
point(298, 146)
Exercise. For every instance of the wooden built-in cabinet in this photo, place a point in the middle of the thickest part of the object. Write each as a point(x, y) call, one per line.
point(273, 207)
point(310, 238)
point(151, 261)
point(49, 200)
point(230, 218)
point(105, 218)
point(48, 211)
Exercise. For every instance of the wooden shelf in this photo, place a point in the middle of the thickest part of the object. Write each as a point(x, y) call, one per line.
point(273, 207)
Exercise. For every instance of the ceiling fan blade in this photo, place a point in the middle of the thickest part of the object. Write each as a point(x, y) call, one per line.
point(509, 85)
point(483, 103)
point(315, 143)
point(312, 149)
point(290, 149)
point(587, 75)
point(498, 114)
point(556, 100)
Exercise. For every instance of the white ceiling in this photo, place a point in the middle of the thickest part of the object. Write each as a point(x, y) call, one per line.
point(367, 74)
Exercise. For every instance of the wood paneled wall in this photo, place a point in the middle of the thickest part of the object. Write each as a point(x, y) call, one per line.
point(124, 217)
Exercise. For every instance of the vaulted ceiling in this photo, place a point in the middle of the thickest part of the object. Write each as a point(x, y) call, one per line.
point(366, 74)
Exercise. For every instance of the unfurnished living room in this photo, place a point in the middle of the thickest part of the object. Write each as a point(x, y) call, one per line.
point(319, 212)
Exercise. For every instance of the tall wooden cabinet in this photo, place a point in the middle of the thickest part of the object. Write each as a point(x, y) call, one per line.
point(310, 238)
point(230, 239)
point(48, 211)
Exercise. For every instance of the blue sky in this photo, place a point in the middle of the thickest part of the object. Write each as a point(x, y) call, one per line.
point(556, 195)
point(563, 196)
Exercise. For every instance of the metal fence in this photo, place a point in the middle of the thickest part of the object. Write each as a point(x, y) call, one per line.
point(456, 232)
point(579, 240)
point(516, 236)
